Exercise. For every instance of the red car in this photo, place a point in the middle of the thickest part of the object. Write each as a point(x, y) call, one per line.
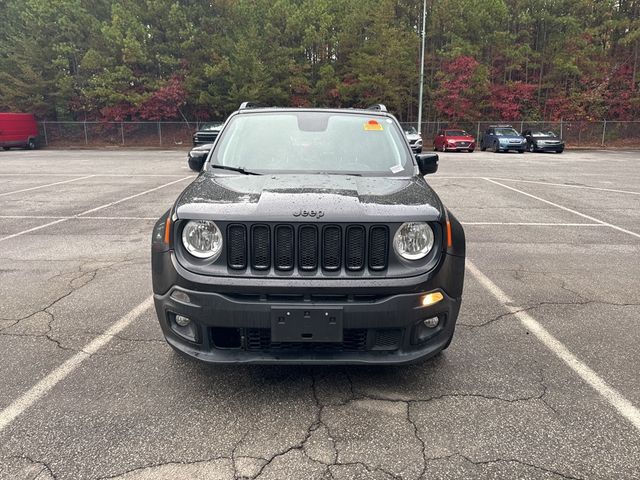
point(454, 139)
point(18, 130)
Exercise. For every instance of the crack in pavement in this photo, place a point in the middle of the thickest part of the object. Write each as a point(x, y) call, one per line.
point(162, 464)
point(472, 326)
point(504, 460)
point(85, 277)
point(45, 466)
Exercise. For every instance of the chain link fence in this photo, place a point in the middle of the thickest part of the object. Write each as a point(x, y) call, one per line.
point(179, 134)
point(575, 133)
point(124, 134)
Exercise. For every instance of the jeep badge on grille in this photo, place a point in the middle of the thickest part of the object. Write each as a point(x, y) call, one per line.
point(309, 213)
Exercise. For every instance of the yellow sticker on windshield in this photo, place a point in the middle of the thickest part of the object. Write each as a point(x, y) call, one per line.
point(373, 125)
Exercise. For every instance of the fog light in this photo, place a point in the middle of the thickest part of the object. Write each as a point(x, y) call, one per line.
point(431, 299)
point(431, 322)
point(184, 321)
point(180, 296)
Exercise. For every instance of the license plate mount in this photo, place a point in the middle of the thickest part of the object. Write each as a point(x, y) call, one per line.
point(306, 324)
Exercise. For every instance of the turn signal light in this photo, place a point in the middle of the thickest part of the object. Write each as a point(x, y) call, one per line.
point(431, 299)
point(167, 231)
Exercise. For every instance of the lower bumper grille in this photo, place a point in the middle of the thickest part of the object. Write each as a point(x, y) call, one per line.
point(259, 339)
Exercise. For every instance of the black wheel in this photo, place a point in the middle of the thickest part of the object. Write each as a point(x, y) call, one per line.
point(435, 149)
point(520, 151)
point(470, 150)
point(532, 147)
point(444, 148)
point(496, 148)
point(6, 148)
point(482, 147)
point(559, 151)
point(31, 144)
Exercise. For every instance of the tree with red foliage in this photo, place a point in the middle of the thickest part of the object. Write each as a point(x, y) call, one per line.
point(511, 100)
point(463, 86)
point(165, 102)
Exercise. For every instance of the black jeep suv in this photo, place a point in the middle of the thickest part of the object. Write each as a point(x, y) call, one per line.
point(310, 236)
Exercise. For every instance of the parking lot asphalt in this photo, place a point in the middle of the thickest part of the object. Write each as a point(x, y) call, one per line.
point(541, 380)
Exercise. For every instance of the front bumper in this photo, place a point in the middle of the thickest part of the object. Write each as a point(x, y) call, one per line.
point(549, 148)
point(232, 330)
point(505, 147)
point(460, 148)
point(381, 318)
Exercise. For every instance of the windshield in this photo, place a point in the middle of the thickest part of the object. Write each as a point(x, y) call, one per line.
point(543, 134)
point(210, 126)
point(410, 130)
point(313, 142)
point(456, 133)
point(506, 132)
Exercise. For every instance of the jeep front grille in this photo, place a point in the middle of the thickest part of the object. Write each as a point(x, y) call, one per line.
point(307, 247)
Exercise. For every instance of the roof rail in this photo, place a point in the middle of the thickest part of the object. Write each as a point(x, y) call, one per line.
point(245, 105)
point(378, 106)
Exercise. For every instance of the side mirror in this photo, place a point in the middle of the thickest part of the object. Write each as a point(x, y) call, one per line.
point(197, 159)
point(427, 163)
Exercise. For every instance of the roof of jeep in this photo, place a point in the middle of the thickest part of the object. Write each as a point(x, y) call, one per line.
point(360, 111)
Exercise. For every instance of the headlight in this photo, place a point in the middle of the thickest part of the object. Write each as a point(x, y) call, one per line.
point(413, 240)
point(202, 238)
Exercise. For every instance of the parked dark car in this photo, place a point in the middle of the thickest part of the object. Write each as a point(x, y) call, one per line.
point(207, 133)
point(414, 138)
point(197, 156)
point(18, 130)
point(539, 141)
point(309, 236)
point(502, 138)
point(454, 139)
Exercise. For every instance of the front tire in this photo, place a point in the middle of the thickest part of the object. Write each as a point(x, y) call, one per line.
point(496, 148)
point(470, 150)
point(532, 148)
point(31, 144)
point(444, 148)
point(6, 148)
point(482, 147)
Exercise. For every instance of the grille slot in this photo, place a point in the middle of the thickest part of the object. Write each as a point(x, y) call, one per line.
point(378, 247)
point(331, 248)
point(308, 247)
point(355, 247)
point(387, 339)
point(260, 247)
point(237, 246)
point(285, 254)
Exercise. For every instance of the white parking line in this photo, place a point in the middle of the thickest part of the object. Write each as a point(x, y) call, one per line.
point(566, 209)
point(65, 219)
point(602, 189)
point(31, 396)
point(591, 378)
point(101, 207)
point(533, 224)
point(74, 217)
point(44, 174)
point(45, 186)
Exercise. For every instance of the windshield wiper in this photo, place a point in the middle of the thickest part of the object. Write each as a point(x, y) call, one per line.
point(234, 169)
point(348, 174)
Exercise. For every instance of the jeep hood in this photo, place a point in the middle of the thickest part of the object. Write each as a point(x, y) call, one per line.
point(327, 198)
